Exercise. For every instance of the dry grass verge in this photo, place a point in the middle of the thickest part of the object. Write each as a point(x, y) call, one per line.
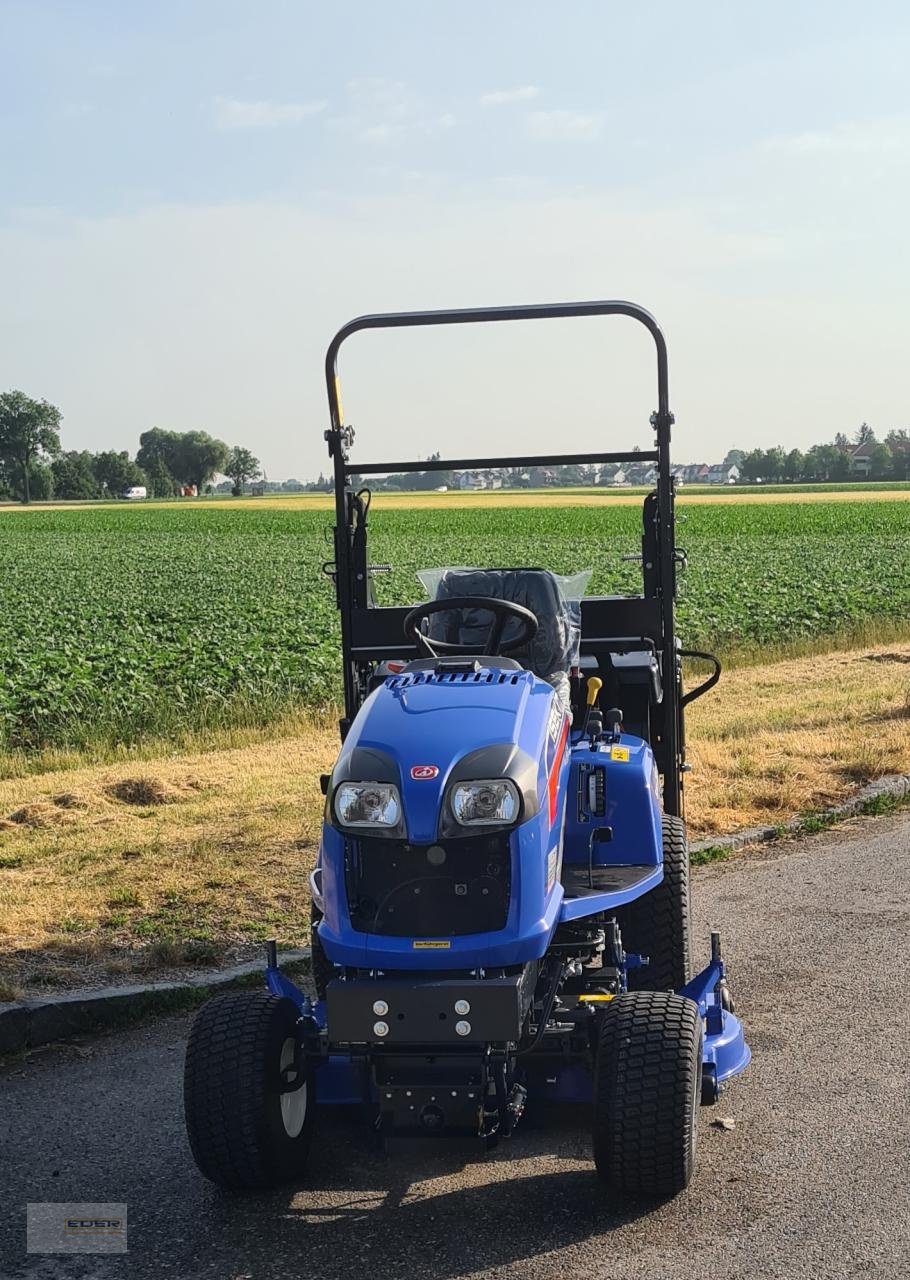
point(774, 741)
point(158, 865)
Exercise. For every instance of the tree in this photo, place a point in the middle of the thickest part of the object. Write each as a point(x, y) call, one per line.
point(793, 465)
point(752, 465)
point(199, 456)
point(161, 484)
point(74, 475)
point(116, 472)
point(175, 458)
point(40, 481)
point(29, 436)
point(826, 462)
point(899, 444)
point(840, 464)
point(157, 456)
point(864, 434)
point(880, 461)
point(773, 462)
point(241, 466)
point(734, 458)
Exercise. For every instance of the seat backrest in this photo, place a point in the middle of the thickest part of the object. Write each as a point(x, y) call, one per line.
point(555, 646)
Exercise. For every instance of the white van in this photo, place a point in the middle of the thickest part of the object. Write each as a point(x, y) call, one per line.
point(136, 491)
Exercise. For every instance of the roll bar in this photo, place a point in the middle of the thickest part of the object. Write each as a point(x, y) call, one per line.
point(662, 419)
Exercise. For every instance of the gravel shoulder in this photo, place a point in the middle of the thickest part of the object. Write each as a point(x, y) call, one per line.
point(811, 1182)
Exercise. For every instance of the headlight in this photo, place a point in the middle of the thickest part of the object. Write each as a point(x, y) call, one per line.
point(367, 804)
point(492, 802)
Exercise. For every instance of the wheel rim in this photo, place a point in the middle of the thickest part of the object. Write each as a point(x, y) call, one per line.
point(293, 1105)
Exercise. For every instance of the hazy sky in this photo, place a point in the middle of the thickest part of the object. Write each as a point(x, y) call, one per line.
point(195, 195)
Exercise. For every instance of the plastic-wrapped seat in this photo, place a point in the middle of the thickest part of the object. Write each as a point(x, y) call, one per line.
point(552, 652)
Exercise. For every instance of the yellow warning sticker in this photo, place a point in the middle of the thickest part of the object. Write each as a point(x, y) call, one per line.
point(430, 944)
point(620, 753)
point(338, 398)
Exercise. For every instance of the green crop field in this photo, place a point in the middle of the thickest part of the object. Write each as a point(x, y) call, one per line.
point(118, 623)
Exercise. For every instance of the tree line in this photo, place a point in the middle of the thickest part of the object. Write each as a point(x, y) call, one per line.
point(863, 458)
point(34, 464)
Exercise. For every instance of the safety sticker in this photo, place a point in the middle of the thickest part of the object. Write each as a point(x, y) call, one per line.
point(424, 772)
point(620, 753)
point(431, 944)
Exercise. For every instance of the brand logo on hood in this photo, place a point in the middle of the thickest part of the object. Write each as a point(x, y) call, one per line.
point(424, 772)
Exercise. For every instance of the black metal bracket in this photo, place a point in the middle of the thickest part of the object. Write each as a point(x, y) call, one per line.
point(706, 684)
point(339, 440)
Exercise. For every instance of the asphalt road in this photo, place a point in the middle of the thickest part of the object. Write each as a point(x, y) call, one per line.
point(812, 1181)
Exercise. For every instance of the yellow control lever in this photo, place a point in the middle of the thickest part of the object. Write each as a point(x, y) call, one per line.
point(595, 684)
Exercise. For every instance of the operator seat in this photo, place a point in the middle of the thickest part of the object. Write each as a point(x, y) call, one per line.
point(553, 650)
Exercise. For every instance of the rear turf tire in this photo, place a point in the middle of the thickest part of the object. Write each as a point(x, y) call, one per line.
point(321, 967)
point(244, 1132)
point(647, 1092)
point(657, 924)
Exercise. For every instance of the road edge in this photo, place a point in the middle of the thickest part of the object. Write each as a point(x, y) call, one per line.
point(879, 796)
point(25, 1024)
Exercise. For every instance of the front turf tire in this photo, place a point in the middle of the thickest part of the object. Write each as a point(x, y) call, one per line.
point(647, 1091)
point(244, 1132)
point(657, 924)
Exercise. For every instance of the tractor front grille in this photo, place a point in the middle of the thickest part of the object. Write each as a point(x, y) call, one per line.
point(448, 889)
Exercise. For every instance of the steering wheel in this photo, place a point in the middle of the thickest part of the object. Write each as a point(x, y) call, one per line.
point(502, 611)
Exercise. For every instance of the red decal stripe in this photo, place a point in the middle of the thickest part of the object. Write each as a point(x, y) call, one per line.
point(553, 779)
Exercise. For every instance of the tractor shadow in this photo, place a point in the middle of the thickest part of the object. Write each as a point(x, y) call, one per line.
point(438, 1212)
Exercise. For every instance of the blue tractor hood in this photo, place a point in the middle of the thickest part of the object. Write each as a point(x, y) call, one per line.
point(425, 730)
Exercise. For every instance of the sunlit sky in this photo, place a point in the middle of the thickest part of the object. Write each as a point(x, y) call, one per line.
point(195, 195)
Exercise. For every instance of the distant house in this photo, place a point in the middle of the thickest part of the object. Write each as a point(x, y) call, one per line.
point(861, 458)
point(619, 477)
point(477, 480)
point(719, 474)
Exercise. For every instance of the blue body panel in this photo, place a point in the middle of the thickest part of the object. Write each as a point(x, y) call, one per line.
point(633, 809)
point(421, 720)
point(632, 814)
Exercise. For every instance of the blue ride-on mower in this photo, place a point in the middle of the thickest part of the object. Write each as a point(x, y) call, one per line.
point(500, 904)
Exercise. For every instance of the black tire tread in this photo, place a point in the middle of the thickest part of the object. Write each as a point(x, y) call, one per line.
point(657, 924)
point(649, 1048)
point(228, 1075)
